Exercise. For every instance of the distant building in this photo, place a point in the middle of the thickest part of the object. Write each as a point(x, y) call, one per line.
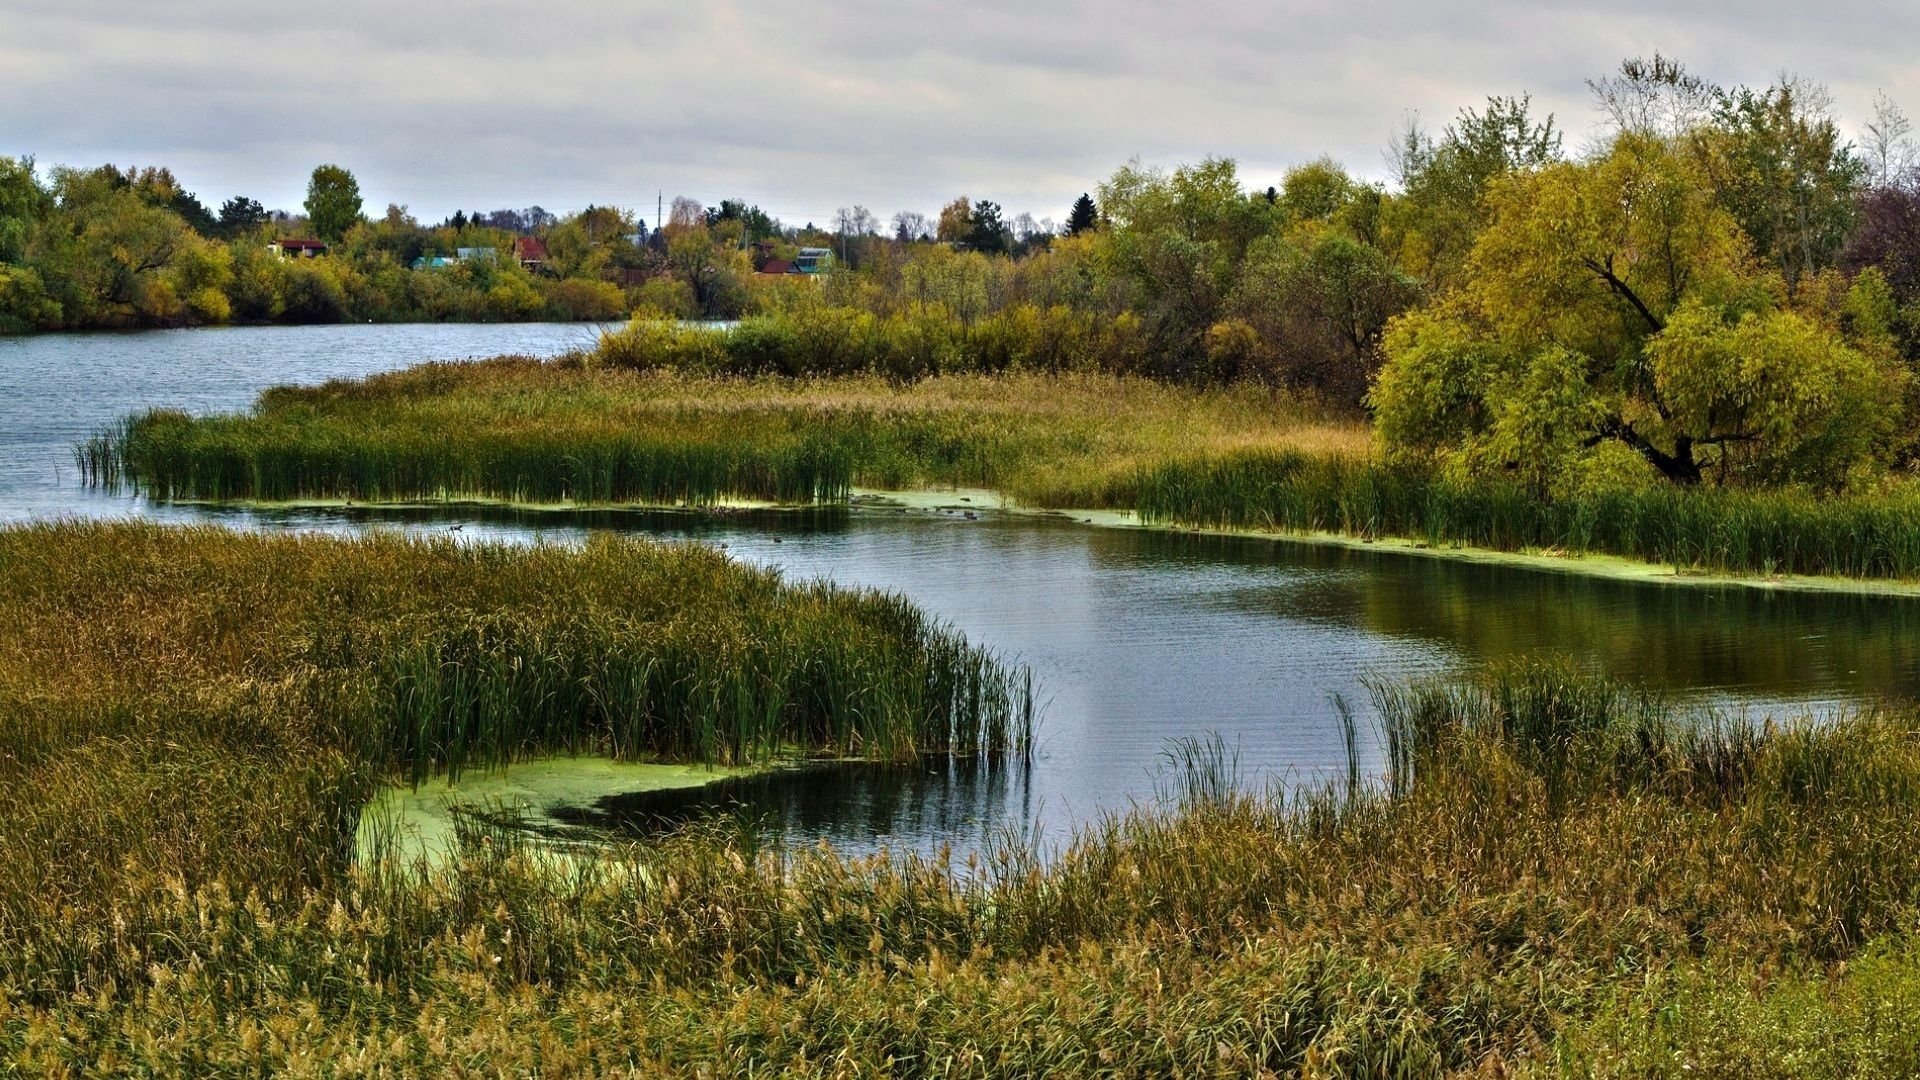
point(460, 255)
point(292, 248)
point(531, 251)
point(813, 261)
point(777, 266)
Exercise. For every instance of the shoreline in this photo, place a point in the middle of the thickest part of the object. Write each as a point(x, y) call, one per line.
point(416, 823)
point(960, 500)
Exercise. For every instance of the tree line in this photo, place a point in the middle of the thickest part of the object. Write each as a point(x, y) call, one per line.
point(1719, 285)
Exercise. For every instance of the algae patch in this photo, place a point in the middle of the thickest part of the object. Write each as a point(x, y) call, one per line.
point(416, 823)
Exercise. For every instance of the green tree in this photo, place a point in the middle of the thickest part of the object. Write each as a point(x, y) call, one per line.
point(1084, 216)
point(23, 205)
point(1614, 303)
point(1181, 239)
point(240, 216)
point(987, 233)
point(712, 273)
point(1316, 191)
point(1319, 310)
point(1778, 164)
point(1440, 210)
point(333, 202)
point(103, 251)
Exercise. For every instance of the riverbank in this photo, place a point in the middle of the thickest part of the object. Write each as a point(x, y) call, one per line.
point(1553, 875)
point(978, 501)
point(409, 823)
point(209, 702)
point(1244, 459)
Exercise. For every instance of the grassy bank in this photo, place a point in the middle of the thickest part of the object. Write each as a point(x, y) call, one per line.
point(544, 432)
point(1555, 874)
point(1723, 530)
point(193, 705)
point(1240, 458)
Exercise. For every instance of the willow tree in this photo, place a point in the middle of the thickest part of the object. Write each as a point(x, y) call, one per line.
point(1613, 311)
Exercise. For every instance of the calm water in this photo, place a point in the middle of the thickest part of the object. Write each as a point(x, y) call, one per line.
point(1135, 638)
point(56, 389)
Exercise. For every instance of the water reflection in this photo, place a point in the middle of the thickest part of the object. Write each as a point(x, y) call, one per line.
point(965, 803)
point(1742, 642)
point(1135, 637)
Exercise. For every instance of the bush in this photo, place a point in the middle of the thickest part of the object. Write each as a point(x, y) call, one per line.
point(578, 299)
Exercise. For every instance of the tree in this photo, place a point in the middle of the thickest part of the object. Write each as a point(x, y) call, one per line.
point(1084, 215)
point(23, 204)
point(1319, 311)
point(1886, 244)
point(333, 202)
point(1777, 163)
point(1657, 97)
point(1890, 153)
point(852, 226)
point(241, 215)
point(105, 260)
point(987, 234)
point(1440, 210)
point(910, 226)
point(713, 274)
point(1315, 191)
point(755, 223)
point(1614, 304)
point(1887, 238)
point(685, 213)
point(1026, 229)
point(956, 221)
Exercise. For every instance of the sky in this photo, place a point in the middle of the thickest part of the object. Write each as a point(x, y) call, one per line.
point(805, 106)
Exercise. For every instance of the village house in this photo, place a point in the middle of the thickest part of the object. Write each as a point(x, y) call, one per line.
point(531, 251)
point(298, 248)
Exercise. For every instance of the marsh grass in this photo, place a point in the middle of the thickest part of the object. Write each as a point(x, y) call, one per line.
point(1242, 457)
point(1742, 531)
point(219, 705)
point(1549, 855)
point(529, 431)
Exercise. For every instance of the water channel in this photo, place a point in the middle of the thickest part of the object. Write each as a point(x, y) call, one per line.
point(1135, 637)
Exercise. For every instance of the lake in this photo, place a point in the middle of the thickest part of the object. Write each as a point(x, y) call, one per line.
point(1135, 637)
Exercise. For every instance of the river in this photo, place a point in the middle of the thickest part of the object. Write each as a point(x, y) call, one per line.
point(1135, 637)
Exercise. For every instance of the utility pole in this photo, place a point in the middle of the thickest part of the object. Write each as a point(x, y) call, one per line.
point(659, 200)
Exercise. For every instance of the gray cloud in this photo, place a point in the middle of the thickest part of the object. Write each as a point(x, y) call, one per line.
point(804, 106)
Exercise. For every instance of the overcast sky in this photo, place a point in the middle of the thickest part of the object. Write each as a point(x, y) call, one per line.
point(803, 106)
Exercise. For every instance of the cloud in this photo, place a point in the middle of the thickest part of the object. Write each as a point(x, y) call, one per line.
point(804, 106)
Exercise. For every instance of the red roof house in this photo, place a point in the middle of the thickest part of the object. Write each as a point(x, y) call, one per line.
point(530, 250)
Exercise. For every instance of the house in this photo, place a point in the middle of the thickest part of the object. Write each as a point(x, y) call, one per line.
point(460, 255)
point(777, 266)
point(813, 260)
point(292, 248)
point(531, 251)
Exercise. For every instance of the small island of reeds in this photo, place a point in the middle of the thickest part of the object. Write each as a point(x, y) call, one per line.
point(667, 415)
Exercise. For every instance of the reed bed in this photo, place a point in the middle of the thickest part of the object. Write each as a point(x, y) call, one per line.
point(184, 700)
point(529, 431)
point(1243, 458)
point(1553, 862)
point(1739, 531)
